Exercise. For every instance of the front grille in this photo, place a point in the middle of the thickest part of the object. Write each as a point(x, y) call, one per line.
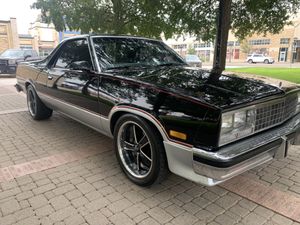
point(275, 112)
point(3, 62)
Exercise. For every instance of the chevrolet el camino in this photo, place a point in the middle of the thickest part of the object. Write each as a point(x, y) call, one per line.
point(162, 114)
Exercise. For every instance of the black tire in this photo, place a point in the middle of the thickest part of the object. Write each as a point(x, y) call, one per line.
point(250, 61)
point(158, 169)
point(266, 61)
point(36, 107)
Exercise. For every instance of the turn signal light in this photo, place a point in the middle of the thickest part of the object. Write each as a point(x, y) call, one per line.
point(177, 134)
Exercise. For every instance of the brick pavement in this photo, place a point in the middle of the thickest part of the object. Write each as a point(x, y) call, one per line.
point(93, 190)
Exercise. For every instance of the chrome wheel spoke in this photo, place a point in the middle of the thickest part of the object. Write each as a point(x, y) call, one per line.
point(138, 161)
point(134, 134)
point(143, 142)
point(147, 157)
point(135, 149)
point(128, 146)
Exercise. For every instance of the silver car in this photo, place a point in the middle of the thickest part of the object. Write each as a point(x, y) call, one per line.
point(193, 60)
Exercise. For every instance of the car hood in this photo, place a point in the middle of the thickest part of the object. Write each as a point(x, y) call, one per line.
point(7, 58)
point(223, 91)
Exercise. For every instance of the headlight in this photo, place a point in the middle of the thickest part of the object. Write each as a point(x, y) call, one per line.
point(12, 61)
point(237, 125)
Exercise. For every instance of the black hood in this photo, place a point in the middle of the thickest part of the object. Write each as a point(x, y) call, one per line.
point(223, 91)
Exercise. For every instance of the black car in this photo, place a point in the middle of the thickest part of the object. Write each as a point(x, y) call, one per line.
point(162, 113)
point(10, 58)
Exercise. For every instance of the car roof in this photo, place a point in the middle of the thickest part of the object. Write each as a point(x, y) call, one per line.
point(109, 35)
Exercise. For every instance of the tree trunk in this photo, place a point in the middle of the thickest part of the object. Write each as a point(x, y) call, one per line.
point(223, 26)
point(118, 17)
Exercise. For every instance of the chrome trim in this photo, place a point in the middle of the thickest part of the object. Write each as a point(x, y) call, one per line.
point(222, 174)
point(180, 162)
point(124, 36)
point(91, 56)
point(139, 113)
point(250, 143)
point(255, 107)
point(95, 55)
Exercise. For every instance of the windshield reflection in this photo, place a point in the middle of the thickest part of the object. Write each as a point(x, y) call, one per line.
point(120, 52)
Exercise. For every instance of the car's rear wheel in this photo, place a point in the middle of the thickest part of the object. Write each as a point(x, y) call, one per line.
point(139, 150)
point(266, 61)
point(250, 61)
point(36, 107)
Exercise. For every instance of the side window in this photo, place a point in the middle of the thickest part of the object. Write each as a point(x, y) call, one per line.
point(74, 55)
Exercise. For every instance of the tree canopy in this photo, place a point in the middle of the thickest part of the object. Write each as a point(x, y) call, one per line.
point(172, 17)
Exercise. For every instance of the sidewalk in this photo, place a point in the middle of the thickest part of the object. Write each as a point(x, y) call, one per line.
point(61, 172)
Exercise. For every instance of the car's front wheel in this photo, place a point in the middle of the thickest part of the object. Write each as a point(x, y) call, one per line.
point(139, 150)
point(250, 61)
point(36, 107)
point(266, 61)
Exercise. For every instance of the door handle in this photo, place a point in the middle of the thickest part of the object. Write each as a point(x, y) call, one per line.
point(50, 77)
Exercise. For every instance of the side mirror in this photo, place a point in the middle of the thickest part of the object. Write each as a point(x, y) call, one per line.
point(27, 56)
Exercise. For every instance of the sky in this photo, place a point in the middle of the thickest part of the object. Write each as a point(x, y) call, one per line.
point(21, 10)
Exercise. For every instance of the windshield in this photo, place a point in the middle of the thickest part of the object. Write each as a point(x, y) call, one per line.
point(13, 53)
point(116, 52)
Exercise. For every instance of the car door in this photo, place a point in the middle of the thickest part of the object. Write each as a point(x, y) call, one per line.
point(72, 85)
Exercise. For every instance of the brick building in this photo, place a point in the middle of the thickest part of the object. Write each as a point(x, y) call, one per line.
point(283, 47)
point(26, 41)
point(41, 37)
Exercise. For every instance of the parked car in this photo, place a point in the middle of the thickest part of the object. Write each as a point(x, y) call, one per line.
point(10, 58)
point(259, 58)
point(193, 60)
point(161, 113)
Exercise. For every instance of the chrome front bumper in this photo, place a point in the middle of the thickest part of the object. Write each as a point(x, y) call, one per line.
point(211, 168)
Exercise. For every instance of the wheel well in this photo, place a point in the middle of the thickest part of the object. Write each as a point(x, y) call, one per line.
point(117, 115)
point(27, 84)
point(114, 120)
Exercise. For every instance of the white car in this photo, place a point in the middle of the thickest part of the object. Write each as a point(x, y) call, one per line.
point(259, 58)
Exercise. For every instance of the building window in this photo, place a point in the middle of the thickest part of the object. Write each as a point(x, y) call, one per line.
point(284, 41)
point(25, 47)
point(260, 42)
point(180, 46)
point(230, 43)
point(202, 45)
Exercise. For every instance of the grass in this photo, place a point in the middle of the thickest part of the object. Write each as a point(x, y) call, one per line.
point(288, 74)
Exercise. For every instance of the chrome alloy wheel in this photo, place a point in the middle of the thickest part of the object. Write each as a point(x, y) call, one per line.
point(135, 149)
point(31, 103)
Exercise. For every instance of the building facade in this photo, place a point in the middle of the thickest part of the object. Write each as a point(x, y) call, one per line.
point(41, 37)
point(8, 34)
point(26, 41)
point(283, 47)
point(45, 37)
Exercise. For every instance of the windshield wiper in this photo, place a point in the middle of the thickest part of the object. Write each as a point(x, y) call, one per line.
point(170, 64)
point(126, 67)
